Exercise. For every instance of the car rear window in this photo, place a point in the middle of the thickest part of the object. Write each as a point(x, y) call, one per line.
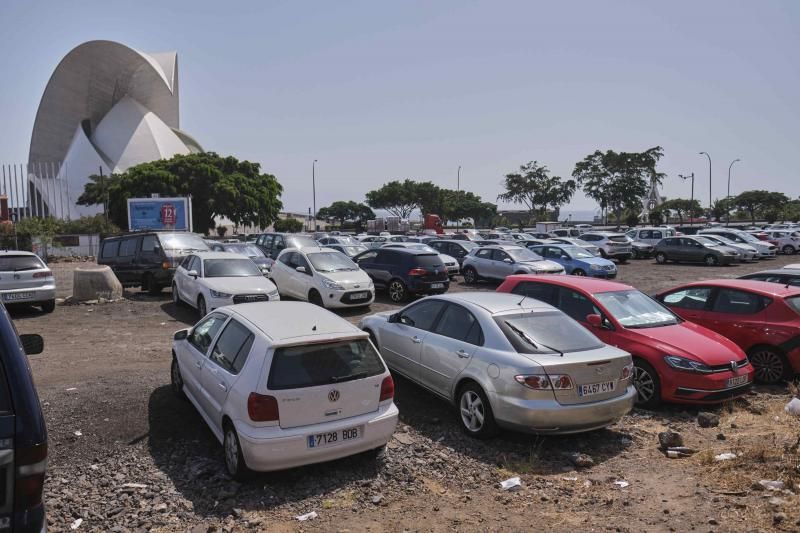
point(295, 367)
point(16, 263)
point(426, 260)
point(794, 303)
point(548, 332)
point(618, 238)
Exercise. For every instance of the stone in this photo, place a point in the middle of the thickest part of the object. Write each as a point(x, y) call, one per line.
point(707, 420)
point(89, 283)
point(669, 439)
point(581, 460)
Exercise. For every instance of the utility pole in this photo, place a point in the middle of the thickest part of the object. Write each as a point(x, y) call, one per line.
point(314, 192)
point(692, 199)
point(709, 183)
point(728, 197)
point(458, 194)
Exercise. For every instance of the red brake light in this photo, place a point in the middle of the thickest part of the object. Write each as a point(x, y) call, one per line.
point(534, 382)
point(387, 389)
point(30, 464)
point(262, 408)
point(417, 272)
point(45, 274)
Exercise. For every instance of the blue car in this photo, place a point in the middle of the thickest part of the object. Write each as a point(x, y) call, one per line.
point(577, 261)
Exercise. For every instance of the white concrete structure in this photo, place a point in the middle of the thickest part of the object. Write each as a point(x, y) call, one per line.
point(106, 106)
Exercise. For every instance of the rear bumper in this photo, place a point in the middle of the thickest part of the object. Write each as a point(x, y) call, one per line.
point(613, 254)
point(273, 448)
point(37, 295)
point(551, 417)
point(426, 287)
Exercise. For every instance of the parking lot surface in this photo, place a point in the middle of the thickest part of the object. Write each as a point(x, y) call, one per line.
point(126, 454)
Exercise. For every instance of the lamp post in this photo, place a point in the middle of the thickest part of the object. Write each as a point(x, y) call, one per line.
point(728, 197)
point(314, 192)
point(691, 177)
point(458, 194)
point(709, 183)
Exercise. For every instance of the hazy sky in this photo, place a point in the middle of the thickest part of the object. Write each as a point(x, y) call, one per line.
point(382, 90)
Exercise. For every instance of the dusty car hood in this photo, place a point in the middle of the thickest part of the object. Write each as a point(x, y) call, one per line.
point(691, 340)
point(240, 285)
point(543, 265)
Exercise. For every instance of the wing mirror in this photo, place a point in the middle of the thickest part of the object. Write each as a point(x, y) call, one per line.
point(301, 269)
point(594, 320)
point(180, 335)
point(507, 260)
point(32, 344)
point(193, 273)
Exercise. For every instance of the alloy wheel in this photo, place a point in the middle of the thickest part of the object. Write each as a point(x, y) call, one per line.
point(788, 250)
point(711, 260)
point(470, 276)
point(231, 452)
point(177, 379)
point(644, 383)
point(472, 412)
point(661, 258)
point(397, 291)
point(201, 306)
point(578, 272)
point(768, 365)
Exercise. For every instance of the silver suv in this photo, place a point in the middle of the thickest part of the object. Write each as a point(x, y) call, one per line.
point(612, 245)
point(498, 261)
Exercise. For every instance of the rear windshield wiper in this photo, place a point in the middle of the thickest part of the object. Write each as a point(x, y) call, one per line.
point(522, 334)
point(359, 375)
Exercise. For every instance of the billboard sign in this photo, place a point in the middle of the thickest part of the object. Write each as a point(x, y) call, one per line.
point(159, 214)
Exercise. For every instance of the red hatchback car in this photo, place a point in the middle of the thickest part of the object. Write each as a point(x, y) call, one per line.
point(762, 318)
point(674, 360)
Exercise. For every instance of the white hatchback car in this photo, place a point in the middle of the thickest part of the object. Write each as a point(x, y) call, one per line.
point(208, 280)
point(323, 277)
point(284, 385)
point(25, 279)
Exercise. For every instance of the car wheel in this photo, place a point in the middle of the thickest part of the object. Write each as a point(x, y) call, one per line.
point(475, 413)
point(153, 288)
point(603, 254)
point(315, 298)
point(234, 460)
point(470, 276)
point(622, 260)
point(635, 254)
point(770, 365)
point(647, 383)
point(201, 306)
point(397, 291)
point(711, 260)
point(661, 258)
point(49, 306)
point(176, 378)
point(176, 298)
point(788, 249)
point(578, 272)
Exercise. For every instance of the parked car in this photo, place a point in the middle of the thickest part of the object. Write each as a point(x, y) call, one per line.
point(765, 249)
point(746, 252)
point(651, 236)
point(793, 266)
point(252, 251)
point(403, 271)
point(323, 277)
point(675, 360)
point(540, 236)
point(498, 261)
point(25, 279)
point(454, 248)
point(274, 243)
point(577, 261)
point(349, 250)
point(783, 276)
point(506, 363)
point(149, 259)
point(284, 385)
point(591, 248)
point(500, 236)
point(788, 241)
point(567, 232)
point(641, 250)
point(23, 433)
point(450, 263)
point(209, 280)
point(612, 245)
point(694, 249)
point(343, 240)
point(762, 318)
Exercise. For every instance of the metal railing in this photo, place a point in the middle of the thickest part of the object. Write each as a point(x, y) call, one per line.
point(36, 190)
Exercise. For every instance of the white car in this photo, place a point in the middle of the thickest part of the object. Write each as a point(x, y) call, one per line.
point(25, 279)
point(788, 240)
point(746, 252)
point(450, 262)
point(283, 385)
point(765, 249)
point(209, 280)
point(323, 277)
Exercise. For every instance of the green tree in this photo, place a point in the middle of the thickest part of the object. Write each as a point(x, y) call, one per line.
point(760, 203)
point(534, 188)
point(343, 211)
point(288, 225)
point(618, 180)
point(396, 197)
point(96, 224)
point(682, 207)
point(219, 186)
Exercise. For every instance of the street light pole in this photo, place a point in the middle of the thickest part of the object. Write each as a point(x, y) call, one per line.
point(314, 192)
point(691, 201)
point(458, 194)
point(709, 183)
point(728, 197)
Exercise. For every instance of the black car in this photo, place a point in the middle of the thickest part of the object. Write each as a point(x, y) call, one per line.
point(273, 244)
point(404, 271)
point(784, 276)
point(454, 248)
point(250, 250)
point(148, 259)
point(23, 434)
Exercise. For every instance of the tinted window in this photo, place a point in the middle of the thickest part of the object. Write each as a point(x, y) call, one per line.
point(422, 315)
point(539, 291)
point(385, 256)
point(591, 237)
point(432, 261)
point(546, 332)
point(671, 242)
point(230, 268)
point(368, 257)
point(204, 332)
point(655, 235)
point(691, 298)
point(287, 259)
point(575, 304)
point(110, 249)
point(486, 253)
point(18, 263)
point(149, 243)
point(739, 302)
point(232, 348)
point(458, 323)
point(127, 248)
point(322, 364)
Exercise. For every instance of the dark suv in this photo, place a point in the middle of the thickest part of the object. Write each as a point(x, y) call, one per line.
point(404, 271)
point(23, 434)
point(148, 260)
point(273, 243)
point(454, 248)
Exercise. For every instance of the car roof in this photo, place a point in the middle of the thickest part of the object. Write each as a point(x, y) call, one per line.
point(777, 272)
point(604, 233)
point(405, 250)
point(494, 302)
point(765, 288)
point(588, 284)
point(220, 255)
point(502, 246)
point(17, 252)
point(285, 321)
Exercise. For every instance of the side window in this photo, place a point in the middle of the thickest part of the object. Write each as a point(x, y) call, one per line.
point(110, 249)
point(368, 257)
point(203, 333)
point(438, 246)
point(149, 244)
point(128, 247)
point(185, 262)
point(231, 350)
point(279, 244)
point(266, 241)
point(691, 298)
point(458, 323)
point(576, 305)
point(655, 235)
point(384, 256)
point(422, 315)
point(500, 255)
point(670, 242)
point(739, 302)
point(538, 291)
point(300, 261)
point(644, 234)
point(486, 253)
point(590, 238)
point(287, 259)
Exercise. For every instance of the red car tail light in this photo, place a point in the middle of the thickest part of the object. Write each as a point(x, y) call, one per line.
point(45, 274)
point(417, 272)
point(262, 408)
point(166, 265)
point(30, 465)
point(387, 389)
point(543, 382)
point(627, 372)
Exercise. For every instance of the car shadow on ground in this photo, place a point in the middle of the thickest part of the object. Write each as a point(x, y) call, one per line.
point(181, 313)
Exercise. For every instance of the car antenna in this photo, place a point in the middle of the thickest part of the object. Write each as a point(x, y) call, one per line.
point(523, 299)
point(314, 328)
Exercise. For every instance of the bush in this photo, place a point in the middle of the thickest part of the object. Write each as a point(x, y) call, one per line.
point(288, 225)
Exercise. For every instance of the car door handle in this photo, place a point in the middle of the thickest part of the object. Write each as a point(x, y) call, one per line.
point(416, 340)
point(198, 364)
point(462, 354)
point(222, 386)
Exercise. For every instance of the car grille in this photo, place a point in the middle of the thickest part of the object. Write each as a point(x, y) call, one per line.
point(247, 298)
point(727, 367)
point(609, 267)
point(714, 396)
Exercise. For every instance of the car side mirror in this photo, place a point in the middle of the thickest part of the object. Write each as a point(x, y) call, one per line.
point(32, 343)
point(193, 273)
point(594, 320)
point(180, 335)
point(301, 269)
point(507, 260)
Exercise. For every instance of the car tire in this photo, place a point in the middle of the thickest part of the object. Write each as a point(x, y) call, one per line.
point(661, 258)
point(647, 383)
point(153, 288)
point(711, 260)
point(201, 306)
point(314, 297)
point(475, 412)
point(635, 254)
point(398, 293)
point(49, 306)
point(622, 260)
point(603, 254)
point(789, 250)
point(176, 379)
point(770, 365)
point(470, 276)
point(176, 297)
point(578, 272)
point(234, 459)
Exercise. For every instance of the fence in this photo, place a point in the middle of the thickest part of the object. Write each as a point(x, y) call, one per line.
point(36, 190)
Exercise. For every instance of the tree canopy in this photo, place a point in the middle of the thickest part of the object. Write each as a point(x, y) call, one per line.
point(534, 188)
point(219, 186)
point(761, 203)
point(346, 211)
point(682, 207)
point(396, 197)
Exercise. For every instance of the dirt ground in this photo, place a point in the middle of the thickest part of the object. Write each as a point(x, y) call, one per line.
point(125, 454)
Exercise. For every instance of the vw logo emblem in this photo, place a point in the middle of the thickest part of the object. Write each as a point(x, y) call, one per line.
point(333, 395)
point(356, 286)
point(733, 366)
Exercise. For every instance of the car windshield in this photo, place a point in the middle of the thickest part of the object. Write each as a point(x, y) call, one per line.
point(314, 365)
point(230, 268)
point(330, 262)
point(749, 238)
point(523, 254)
point(577, 252)
point(182, 241)
point(18, 263)
point(354, 250)
point(347, 240)
point(421, 246)
point(634, 309)
point(546, 332)
point(468, 245)
point(705, 241)
point(300, 241)
point(250, 250)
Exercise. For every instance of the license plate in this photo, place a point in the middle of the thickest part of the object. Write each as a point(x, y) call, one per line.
point(437, 285)
point(332, 438)
point(738, 380)
point(359, 296)
point(17, 296)
point(595, 388)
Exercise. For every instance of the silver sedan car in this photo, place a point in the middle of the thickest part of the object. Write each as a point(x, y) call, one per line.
point(506, 362)
point(25, 279)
